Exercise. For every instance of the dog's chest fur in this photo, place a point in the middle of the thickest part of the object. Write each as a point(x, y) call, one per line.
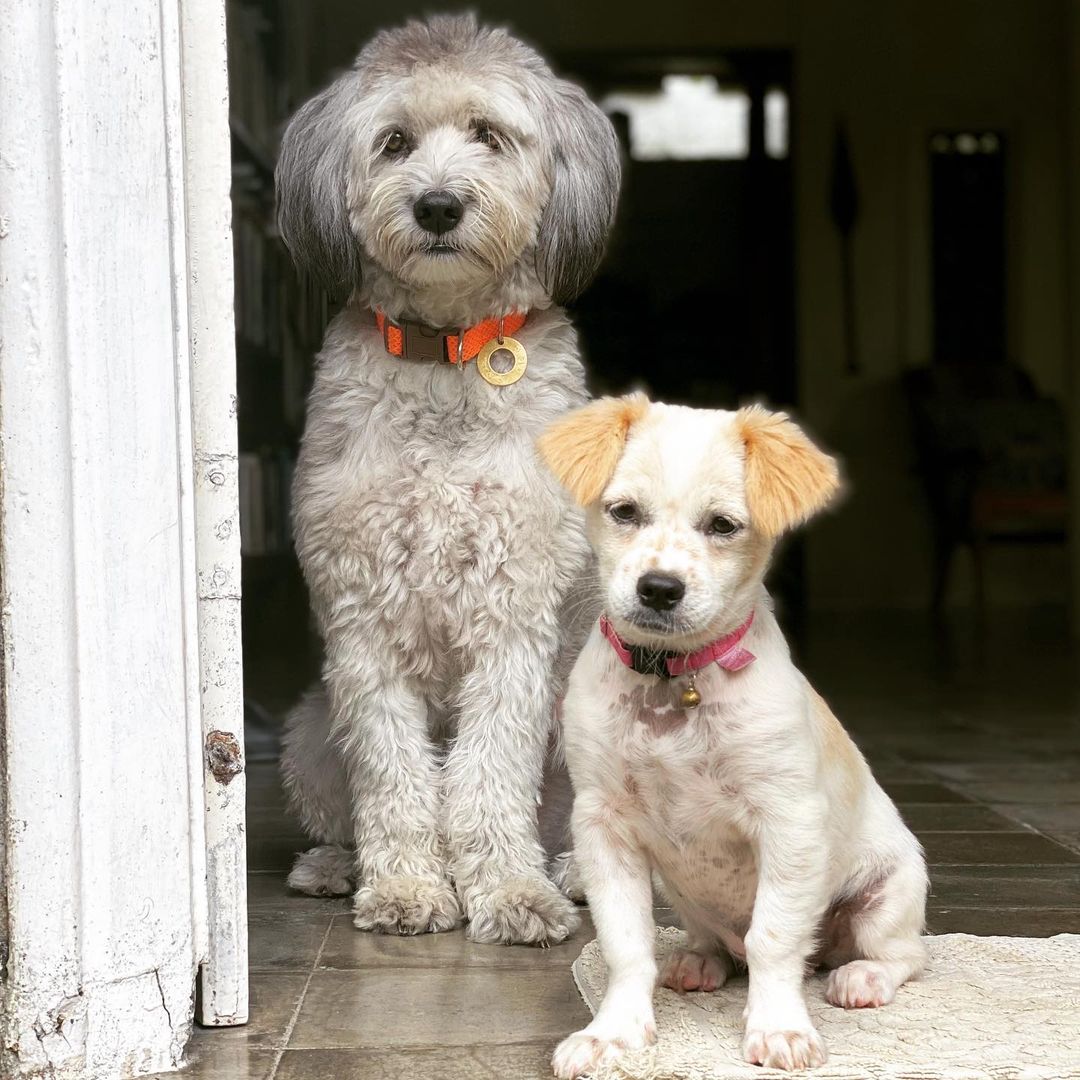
point(691, 793)
point(419, 496)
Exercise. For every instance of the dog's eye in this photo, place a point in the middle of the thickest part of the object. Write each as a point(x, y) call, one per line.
point(625, 512)
point(483, 134)
point(396, 143)
point(723, 526)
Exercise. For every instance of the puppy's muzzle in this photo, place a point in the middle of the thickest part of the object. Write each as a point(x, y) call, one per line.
point(660, 592)
point(438, 211)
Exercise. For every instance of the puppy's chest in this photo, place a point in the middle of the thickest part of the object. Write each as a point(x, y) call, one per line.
point(696, 826)
point(686, 768)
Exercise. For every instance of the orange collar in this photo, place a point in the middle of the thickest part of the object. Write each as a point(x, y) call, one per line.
point(447, 344)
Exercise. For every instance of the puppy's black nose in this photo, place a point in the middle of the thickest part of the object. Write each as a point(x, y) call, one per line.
point(661, 592)
point(438, 211)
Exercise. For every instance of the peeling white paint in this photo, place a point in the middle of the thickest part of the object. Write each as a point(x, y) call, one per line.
point(120, 610)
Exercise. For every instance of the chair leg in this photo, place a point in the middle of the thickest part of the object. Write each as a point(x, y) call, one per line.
point(944, 546)
point(978, 563)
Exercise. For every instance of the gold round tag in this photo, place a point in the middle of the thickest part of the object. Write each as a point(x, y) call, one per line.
point(502, 378)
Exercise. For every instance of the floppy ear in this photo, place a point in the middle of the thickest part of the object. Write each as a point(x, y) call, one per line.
point(788, 479)
point(311, 179)
point(584, 190)
point(583, 448)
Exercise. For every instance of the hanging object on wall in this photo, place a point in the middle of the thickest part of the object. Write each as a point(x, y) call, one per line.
point(844, 210)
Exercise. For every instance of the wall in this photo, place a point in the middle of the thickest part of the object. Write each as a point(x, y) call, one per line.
point(893, 70)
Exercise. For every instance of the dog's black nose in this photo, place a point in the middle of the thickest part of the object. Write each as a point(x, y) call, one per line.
point(438, 211)
point(661, 592)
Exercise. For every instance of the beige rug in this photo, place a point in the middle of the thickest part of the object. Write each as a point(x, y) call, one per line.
point(988, 1008)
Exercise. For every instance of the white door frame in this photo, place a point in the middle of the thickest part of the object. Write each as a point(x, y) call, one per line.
point(122, 865)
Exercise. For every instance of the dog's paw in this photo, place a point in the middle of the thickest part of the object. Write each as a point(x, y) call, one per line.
point(802, 1049)
point(563, 872)
point(406, 905)
point(583, 1051)
point(862, 984)
point(522, 911)
point(323, 871)
point(686, 971)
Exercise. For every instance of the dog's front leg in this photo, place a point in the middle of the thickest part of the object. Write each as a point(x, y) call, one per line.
point(792, 895)
point(380, 720)
point(492, 781)
point(618, 883)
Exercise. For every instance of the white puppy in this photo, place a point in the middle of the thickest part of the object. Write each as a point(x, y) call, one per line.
point(755, 810)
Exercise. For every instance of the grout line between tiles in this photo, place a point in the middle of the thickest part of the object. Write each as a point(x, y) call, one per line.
point(280, 1052)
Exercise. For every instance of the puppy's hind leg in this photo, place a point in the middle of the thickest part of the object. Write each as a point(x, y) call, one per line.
point(704, 965)
point(884, 940)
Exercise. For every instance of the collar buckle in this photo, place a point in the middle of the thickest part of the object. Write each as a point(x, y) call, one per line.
point(425, 344)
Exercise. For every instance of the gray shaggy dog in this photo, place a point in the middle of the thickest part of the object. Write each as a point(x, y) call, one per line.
point(448, 178)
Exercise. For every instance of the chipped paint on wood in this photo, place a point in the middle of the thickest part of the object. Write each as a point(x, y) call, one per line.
point(223, 756)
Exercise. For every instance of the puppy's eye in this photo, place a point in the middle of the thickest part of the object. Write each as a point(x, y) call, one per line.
point(625, 512)
point(722, 526)
point(483, 134)
point(396, 143)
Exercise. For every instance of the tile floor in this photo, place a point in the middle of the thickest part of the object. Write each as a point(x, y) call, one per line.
point(975, 735)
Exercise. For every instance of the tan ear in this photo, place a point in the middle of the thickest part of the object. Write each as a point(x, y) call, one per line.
point(788, 479)
point(583, 447)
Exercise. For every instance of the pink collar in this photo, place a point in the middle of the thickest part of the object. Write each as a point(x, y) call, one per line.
point(726, 652)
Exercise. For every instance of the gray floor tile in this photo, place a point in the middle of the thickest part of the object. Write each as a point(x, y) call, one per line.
point(439, 1007)
point(952, 817)
point(896, 770)
point(902, 791)
point(285, 940)
point(993, 848)
point(1069, 837)
point(274, 997)
point(1062, 768)
point(214, 1061)
point(995, 887)
point(529, 1061)
point(1015, 922)
point(1024, 791)
point(347, 947)
point(267, 889)
point(1046, 817)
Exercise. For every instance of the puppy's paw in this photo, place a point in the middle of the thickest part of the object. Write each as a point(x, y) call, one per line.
point(802, 1049)
point(522, 911)
point(687, 971)
point(406, 905)
point(862, 984)
point(323, 871)
point(584, 1051)
point(563, 872)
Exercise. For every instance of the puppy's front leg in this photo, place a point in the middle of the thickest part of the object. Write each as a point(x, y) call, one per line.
point(380, 720)
point(792, 895)
point(619, 887)
point(492, 778)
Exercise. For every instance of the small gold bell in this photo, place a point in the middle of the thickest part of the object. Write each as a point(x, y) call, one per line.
point(690, 699)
